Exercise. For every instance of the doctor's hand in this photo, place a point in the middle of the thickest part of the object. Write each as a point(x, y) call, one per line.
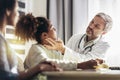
point(100, 61)
point(55, 45)
point(89, 64)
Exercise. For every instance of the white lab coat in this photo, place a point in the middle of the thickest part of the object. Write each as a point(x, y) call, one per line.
point(38, 53)
point(80, 54)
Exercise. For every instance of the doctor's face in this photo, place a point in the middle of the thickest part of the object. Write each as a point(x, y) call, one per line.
point(96, 27)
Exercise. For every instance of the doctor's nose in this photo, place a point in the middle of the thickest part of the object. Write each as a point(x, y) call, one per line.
point(91, 26)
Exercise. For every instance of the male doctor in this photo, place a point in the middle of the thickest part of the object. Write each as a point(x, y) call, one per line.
point(91, 45)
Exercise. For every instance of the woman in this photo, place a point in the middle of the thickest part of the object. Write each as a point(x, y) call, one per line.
point(8, 62)
point(39, 29)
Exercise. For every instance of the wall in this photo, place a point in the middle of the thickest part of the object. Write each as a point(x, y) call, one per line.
point(37, 7)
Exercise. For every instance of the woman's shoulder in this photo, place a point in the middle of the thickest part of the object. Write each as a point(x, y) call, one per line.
point(2, 39)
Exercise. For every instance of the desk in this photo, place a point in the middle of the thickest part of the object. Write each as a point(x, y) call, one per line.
point(84, 75)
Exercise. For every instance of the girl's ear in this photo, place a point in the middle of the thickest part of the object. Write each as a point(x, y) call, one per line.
point(44, 35)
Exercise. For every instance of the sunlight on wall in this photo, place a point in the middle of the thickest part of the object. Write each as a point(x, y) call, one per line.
point(114, 38)
point(17, 45)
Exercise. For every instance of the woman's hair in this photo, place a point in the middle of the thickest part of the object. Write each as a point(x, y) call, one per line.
point(6, 5)
point(31, 28)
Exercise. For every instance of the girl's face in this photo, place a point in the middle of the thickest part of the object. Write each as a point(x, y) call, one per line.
point(52, 32)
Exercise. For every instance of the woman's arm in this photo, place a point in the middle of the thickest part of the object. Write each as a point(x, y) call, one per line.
point(44, 66)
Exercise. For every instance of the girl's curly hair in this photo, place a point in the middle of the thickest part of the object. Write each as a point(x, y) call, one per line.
point(26, 27)
point(30, 27)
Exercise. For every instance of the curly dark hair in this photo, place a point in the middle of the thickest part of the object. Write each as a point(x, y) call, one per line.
point(31, 28)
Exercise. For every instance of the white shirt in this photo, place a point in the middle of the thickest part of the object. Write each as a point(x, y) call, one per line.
point(39, 53)
point(78, 50)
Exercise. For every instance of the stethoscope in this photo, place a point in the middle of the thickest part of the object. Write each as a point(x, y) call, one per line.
point(88, 48)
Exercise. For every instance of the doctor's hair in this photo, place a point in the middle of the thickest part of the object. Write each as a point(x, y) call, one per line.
point(31, 28)
point(108, 21)
point(6, 5)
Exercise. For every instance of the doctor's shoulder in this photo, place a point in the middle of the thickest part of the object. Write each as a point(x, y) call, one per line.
point(75, 36)
point(103, 44)
point(104, 41)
